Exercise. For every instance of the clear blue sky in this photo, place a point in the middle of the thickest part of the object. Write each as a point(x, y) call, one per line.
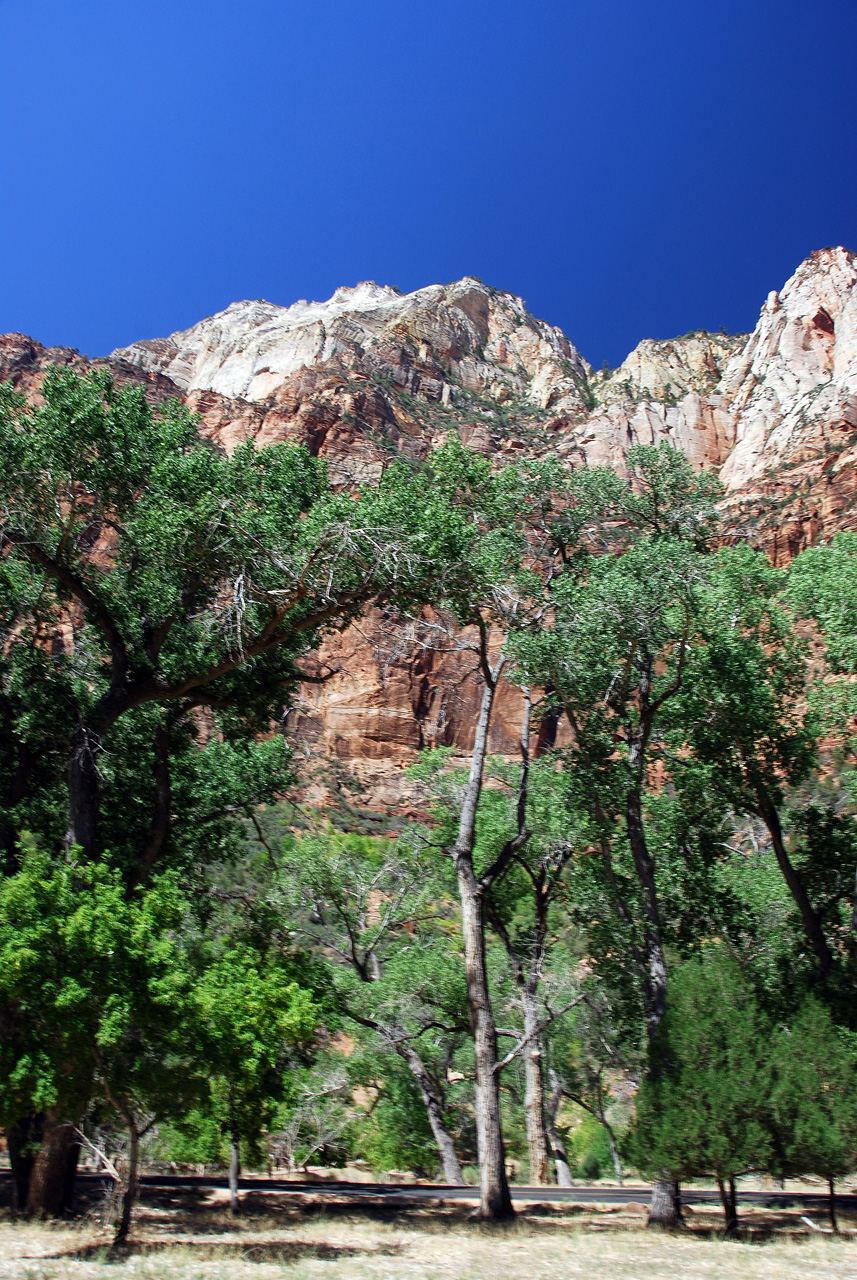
point(633, 168)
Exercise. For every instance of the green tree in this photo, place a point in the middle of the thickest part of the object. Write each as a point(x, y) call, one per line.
point(252, 1017)
point(190, 579)
point(155, 592)
point(378, 910)
point(100, 993)
point(626, 610)
point(703, 1108)
point(743, 709)
point(814, 1097)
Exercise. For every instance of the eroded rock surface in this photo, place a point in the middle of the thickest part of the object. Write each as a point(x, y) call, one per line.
point(371, 373)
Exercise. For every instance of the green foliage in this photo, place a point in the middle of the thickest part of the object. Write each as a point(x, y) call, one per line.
point(94, 988)
point(587, 1144)
point(252, 1016)
point(814, 1100)
point(823, 585)
point(703, 1109)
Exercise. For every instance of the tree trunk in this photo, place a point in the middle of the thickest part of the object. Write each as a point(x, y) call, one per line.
point(234, 1169)
point(70, 1177)
point(47, 1192)
point(83, 792)
point(831, 1204)
point(560, 1155)
point(811, 923)
point(495, 1201)
point(534, 1097)
point(22, 1141)
point(665, 1207)
point(452, 1174)
point(128, 1193)
point(614, 1150)
point(644, 865)
point(560, 1159)
point(665, 1210)
point(729, 1202)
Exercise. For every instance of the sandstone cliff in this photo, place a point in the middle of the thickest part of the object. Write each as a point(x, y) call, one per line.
point(372, 372)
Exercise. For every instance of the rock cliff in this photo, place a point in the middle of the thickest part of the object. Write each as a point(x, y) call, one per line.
point(372, 372)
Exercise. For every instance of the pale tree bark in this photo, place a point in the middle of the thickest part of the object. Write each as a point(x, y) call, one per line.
point(560, 1155)
point(430, 1094)
point(452, 1174)
point(234, 1170)
point(495, 1201)
point(527, 978)
point(665, 1206)
point(534, 1097)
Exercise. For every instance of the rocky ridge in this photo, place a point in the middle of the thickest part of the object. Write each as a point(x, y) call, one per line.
point(371, 373)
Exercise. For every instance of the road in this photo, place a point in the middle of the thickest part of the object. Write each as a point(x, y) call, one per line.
point(435, 1191)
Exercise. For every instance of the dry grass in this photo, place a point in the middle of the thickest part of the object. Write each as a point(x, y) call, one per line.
point(187, 1237)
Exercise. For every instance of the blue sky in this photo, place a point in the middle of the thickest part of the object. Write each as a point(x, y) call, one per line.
point(633, 168)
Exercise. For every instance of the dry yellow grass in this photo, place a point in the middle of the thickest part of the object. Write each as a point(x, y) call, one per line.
point(312, 1242)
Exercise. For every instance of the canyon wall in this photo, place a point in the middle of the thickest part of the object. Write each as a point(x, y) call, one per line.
point(372, 373)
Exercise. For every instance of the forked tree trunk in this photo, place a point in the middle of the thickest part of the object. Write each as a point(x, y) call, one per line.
point(560, 1159)
point(452, 1174)
point(48, 1189)
point(665, 1210)
point(730, 1206)
point(534, 1097)
point(495, 1201)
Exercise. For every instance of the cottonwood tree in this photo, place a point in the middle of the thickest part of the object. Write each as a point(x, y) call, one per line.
point(745, 713)
point(379, 910)
point(524, 910)
point(191, 579)
point(159, 589)
point(615, 658)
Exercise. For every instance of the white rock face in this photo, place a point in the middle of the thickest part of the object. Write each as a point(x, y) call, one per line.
point(657, 370)
point(776, 411)
point(484, 339)
point(794, 385)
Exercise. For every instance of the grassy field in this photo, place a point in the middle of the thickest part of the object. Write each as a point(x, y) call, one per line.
point(189, 1237)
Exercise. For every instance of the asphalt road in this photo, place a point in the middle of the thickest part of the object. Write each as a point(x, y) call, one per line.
point(435, 1191)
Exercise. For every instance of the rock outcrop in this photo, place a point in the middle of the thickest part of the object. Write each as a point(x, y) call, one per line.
point(792, 394)
point(371, 373)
